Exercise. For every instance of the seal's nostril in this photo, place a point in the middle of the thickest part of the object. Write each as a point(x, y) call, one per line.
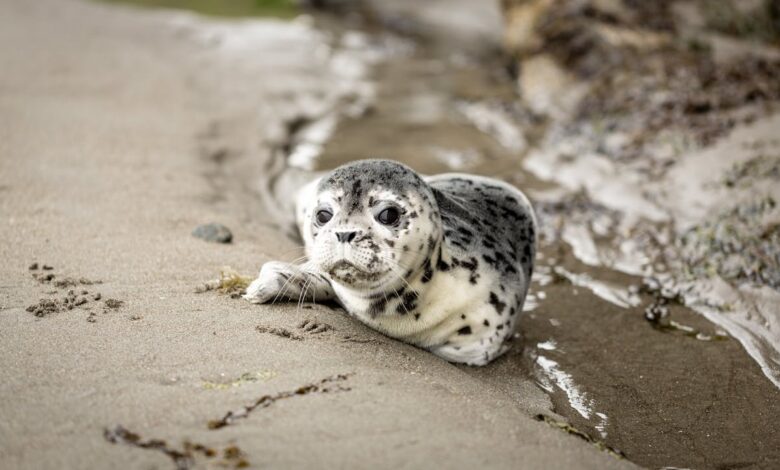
point(345, 237)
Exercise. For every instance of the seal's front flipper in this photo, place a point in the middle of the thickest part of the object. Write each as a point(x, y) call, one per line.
point(284, 282)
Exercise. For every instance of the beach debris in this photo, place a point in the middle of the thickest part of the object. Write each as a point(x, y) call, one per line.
point(569, 429)
point(231, 456)
point(658, 313)
point(330, 384)
point(213, 232)
point(120, 435)
point(230, 282)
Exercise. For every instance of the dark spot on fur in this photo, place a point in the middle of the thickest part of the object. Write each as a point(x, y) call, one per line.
point(465, 232)
point(496, 303)
point(466, 330)
point(427, 271)
point(377, 307)
point(471, 264)
point(408, 303)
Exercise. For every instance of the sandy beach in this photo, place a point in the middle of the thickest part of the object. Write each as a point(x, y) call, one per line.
point(645, 137)
point(113, 123)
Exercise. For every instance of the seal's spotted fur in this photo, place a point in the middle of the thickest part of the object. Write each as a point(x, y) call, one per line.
point(449, 275)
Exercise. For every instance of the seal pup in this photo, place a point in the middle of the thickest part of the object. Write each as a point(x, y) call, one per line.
point(441, 262)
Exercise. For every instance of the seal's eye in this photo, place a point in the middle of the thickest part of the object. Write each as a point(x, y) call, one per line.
point(323, 216)
point(388, 216)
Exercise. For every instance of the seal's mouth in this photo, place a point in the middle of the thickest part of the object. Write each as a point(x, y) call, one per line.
point(347, 273)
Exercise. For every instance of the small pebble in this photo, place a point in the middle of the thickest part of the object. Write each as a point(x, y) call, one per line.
point(213, 232)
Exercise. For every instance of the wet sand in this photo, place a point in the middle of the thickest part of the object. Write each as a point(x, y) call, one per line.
point(122, 130)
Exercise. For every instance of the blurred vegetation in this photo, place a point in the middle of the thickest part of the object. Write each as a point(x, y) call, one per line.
point(226, 8)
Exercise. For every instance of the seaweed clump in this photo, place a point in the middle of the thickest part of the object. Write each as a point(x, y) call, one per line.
point(230, 282)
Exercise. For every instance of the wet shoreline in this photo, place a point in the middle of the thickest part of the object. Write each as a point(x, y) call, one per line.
point(681, 393)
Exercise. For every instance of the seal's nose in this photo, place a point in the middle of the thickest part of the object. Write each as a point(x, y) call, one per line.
point(345, 237)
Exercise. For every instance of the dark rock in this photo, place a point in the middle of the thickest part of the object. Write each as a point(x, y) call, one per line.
point(213, 232)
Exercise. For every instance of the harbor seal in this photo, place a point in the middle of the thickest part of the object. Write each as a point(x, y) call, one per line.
point(441, 262)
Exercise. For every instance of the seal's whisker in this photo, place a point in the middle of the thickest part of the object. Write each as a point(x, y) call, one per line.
point(297, 273)
point(284, 287)
point(394, 267)
point(302, 296)
point(299, 260)
point(401, 303)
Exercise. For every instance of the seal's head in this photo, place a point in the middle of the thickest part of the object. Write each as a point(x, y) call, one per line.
point(375, 223)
